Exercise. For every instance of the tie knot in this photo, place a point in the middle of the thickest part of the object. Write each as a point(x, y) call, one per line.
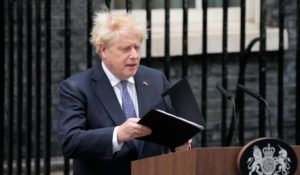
point(124, 84)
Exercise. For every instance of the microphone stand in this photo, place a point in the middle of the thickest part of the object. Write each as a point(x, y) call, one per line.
point(233, 124)
point(259, 98)
point(268, 114)
point(234, 121)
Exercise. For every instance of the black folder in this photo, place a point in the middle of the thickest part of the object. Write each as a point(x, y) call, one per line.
point(184, 102)
point(173, 130)
point(167, 129)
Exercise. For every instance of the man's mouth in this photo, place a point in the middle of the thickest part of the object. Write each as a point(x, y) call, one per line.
point(131, 65)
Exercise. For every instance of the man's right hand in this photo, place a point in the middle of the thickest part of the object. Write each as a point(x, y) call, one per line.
point(130, 130)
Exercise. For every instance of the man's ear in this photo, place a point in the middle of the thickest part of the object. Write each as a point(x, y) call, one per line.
point(102, 49)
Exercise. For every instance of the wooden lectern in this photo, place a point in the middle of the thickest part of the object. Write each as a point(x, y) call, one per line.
point(198, 161)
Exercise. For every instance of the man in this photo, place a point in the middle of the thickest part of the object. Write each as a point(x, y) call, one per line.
point(94, 126)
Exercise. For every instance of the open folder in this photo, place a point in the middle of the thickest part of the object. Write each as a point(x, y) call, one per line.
point(173, 130)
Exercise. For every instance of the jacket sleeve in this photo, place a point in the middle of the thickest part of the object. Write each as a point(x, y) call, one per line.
point(76, 140)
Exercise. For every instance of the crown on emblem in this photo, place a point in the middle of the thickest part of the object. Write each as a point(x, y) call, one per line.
point(269, 151)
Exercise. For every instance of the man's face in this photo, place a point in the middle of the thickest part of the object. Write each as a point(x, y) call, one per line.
point(122, 58)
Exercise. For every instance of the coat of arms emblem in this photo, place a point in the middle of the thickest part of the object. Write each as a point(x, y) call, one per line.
point(266, 156)
point(264, 162)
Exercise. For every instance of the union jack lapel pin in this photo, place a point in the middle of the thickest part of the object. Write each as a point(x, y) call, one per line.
point(145, 83)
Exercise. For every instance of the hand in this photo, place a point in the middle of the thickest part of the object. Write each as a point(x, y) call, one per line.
point(184, 147)
point(130, 130)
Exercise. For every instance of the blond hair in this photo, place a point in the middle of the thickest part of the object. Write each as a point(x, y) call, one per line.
point(108, 26)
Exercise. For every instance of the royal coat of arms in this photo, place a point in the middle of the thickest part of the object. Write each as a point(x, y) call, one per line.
point(267, 156)
point(264, 162)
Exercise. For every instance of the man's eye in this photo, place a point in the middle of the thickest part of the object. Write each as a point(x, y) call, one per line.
point(137, 47)
point(125, 48)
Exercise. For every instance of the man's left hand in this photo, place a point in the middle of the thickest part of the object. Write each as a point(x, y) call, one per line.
point(184, 147)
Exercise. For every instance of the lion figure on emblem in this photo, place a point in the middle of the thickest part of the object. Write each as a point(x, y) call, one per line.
point(255, 161)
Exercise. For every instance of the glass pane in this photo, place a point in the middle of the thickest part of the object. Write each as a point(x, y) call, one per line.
point(219, 3)
point(156, 4)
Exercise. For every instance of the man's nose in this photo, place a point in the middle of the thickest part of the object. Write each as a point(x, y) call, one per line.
point(134, 53)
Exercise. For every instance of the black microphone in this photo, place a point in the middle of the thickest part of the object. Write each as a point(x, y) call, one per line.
point(233, 124)
point(254, 95)
point(260, 98)
point(225, 93)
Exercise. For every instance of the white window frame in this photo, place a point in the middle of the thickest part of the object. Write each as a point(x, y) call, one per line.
point(214, 35)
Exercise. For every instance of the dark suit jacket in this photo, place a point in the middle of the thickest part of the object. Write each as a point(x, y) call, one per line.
point(88, 113)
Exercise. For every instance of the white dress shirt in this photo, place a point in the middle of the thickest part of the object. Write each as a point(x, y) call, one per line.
point(115, 83)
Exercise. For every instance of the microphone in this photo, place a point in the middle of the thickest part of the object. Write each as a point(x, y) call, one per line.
point(233, 124)
point(252, 94)
point(260, 98)
point(225, 93)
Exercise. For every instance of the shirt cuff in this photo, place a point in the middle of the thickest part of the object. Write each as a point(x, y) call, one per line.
point(116, 146)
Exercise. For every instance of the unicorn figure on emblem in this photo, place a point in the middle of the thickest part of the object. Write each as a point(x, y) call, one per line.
point(283, 161)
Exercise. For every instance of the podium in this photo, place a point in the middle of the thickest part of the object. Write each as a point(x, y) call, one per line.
point(198, 161)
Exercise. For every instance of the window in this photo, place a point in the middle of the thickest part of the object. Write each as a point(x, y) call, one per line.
point(215, 17)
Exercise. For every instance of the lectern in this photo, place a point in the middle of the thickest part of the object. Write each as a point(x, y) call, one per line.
point(198, 161)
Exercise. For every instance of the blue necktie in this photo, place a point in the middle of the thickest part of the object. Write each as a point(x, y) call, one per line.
point(127, 103)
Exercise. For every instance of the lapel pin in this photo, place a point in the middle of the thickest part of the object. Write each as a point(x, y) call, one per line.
point(145, 83)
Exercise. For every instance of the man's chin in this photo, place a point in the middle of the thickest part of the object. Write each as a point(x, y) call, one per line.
point(132, 71)
point(127, 75)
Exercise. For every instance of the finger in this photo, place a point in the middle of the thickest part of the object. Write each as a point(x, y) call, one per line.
point(142, 130)
point(140, 133)
point(189, 147)
point(133, 120)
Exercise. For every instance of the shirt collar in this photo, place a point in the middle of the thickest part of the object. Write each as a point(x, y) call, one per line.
point(112, 78)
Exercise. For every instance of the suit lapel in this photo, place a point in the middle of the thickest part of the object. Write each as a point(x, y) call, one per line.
point(142, 88)
point(106, 95)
